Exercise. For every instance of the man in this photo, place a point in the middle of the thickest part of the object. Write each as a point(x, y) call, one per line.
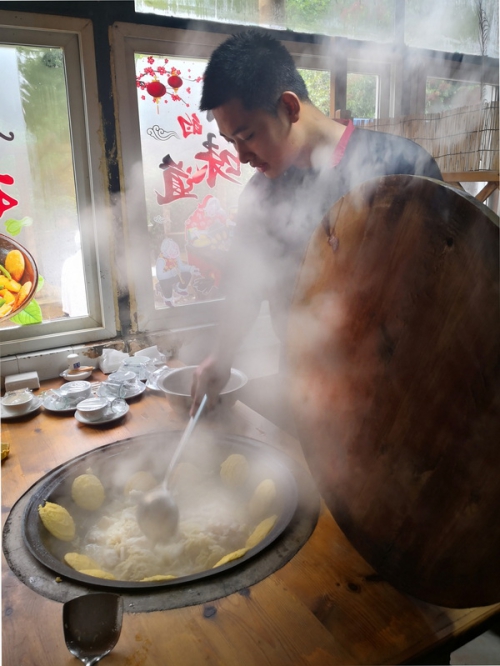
point(304, 161)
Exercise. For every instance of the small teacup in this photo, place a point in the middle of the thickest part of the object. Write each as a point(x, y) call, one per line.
point(119, 384)
point(74, 392)
point(18, 401)
point(139, 365)
point(126, 377)
point(93, 409)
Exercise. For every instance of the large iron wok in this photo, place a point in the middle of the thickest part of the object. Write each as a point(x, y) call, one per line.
point(111, 462)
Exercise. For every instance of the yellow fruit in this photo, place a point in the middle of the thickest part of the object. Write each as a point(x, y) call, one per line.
point(13, 286)
point(234, 470)
point(230, 557)
point(261, 531)
point(88, 492)
point(14, 263)
point(98, 573)
point(7, 295)
point(142, 481)
point(262, 499)
point(150, 579)
point(78, 562)
point(5, 309)
point(57, 520)
point(23, 293)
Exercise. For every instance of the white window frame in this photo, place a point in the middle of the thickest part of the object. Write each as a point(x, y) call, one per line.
point(75, 37)
point(383, 73)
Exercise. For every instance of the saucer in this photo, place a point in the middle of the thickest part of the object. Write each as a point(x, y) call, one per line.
point(117, 412)
point(138, 390)
point(49, 403)
point(76, 375)
point(152, 381)
point(131, 393)
point(7, 413)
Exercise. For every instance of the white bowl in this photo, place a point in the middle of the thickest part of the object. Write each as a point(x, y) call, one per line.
point(93, 409)
point(176, 384)
point(17, 401)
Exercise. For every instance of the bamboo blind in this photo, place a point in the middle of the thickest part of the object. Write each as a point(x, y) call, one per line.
point(463, 139)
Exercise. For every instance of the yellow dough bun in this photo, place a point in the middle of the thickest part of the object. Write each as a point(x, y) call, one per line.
point(57, 520)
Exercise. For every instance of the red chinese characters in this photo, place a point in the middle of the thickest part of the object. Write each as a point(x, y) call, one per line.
point(190, 125)
point(6, 201)
point(178, 182)
point(223, 164)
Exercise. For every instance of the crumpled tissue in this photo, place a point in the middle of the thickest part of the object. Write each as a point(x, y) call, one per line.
point(111, 360)
point(153, 353)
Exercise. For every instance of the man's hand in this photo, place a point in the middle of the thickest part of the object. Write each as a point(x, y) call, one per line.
point(210, 377)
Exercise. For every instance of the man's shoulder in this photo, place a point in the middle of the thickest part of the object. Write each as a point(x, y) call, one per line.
point(363, 135)
point(400, 154)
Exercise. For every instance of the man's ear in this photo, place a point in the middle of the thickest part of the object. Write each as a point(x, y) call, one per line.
point(292, 105)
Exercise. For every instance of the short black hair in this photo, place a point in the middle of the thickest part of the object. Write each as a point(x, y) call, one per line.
point(255, 68)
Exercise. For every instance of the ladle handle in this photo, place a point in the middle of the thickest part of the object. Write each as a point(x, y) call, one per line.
point(187, 434)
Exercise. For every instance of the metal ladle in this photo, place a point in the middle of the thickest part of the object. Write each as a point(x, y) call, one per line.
point(157, 512)
point(92, 625)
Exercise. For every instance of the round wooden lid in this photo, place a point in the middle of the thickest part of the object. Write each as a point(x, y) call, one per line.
point(394, 353)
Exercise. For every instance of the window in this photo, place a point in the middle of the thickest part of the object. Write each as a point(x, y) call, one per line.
point(318, 87)
point(192, 181)
point(182, 180)
point(368, 86)
point(225, 11)
point(50, 195)
point(362, 95)
point(443, 94)
point(363, 19)
point(463, 26)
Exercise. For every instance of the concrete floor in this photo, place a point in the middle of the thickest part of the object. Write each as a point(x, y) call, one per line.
point(485, 649)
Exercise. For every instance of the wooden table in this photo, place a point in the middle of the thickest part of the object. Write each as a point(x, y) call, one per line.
point(326, 606)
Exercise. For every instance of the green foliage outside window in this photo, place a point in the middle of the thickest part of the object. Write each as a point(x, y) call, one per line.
point(318, 87)
point(362, 95)
point(43, 93)
point(443, 94)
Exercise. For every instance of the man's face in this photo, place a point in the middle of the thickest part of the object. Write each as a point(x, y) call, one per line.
point(263, 140)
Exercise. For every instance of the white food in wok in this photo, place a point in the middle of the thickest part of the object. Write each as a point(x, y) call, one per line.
point(212, 524)
point(219, 522)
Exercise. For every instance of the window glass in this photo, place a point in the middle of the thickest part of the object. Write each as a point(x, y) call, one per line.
point(318, 87)
point(362, 95)
point(360, 19)
point(192, 180)
point(52, 181)
point(464, 26)
point(38, 205)
point(224, 11)
point(442, 94)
